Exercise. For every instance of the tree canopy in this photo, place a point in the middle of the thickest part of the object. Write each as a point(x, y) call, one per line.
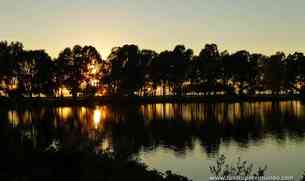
point(130, 70)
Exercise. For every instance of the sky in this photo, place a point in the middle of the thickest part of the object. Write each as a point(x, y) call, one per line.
point(264, 26)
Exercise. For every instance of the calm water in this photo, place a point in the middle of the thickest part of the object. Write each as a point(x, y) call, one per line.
point(184, 138)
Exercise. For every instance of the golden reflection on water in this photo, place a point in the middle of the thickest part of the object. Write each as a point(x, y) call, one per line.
point(82, 113)
point(222, 111)
point(95, 117)
point(64, 113)
point(87, 117)
point(296, 108)
point(13, 118)
point(233, 112)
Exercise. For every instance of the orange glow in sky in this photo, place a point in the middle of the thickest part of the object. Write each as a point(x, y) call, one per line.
point(258, 26)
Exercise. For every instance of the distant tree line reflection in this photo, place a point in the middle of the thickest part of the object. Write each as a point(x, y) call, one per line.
point(129, 70)
point(127, 131)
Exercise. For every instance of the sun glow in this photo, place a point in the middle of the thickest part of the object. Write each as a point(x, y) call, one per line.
point(97, 115)
point(93, 69)
point(94, 82)
point(63, 91)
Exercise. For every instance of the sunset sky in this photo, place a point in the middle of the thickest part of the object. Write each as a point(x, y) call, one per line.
point(264, 26)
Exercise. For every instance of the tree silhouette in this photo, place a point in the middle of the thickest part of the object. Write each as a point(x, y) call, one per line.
point(210, 67)
point(125, 70)
point(161, 71)
point(181, 57)
point(129, 71)
point(73, 66)
point(10, 55)
point(93, 69)
point(243, 69)
point(274, 72)
point(147, 74)
point(35, 73)
point(294, 71)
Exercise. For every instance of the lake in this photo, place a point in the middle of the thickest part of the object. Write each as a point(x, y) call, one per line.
point(184, 138)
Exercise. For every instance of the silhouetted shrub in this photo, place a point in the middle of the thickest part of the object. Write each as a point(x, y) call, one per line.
point(241, 168)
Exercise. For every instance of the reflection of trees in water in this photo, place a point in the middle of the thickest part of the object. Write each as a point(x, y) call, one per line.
point(246, 123)
point(133, 128)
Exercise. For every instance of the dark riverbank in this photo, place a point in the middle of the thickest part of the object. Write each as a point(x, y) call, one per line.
point(22, 159)
point(99, 100)
point(82, 166)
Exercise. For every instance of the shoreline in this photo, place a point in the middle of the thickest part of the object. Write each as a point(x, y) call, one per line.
point(102, 100)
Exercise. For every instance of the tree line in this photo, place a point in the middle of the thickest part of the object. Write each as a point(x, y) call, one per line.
point(129, 70)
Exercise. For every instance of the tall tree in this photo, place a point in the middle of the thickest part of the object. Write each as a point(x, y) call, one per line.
point(242, 69)
point(33, 74)
point(146, 77)
point(10, 55)
point(43, 81)
point(210, 67)
point(161, 71)
point(274, 72)
point(73, 67)
point(125, 69)
point(294, 71)
point(228, 72)
point(179, 66)
point(93, 69)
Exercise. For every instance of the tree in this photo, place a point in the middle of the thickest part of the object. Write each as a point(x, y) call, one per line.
point(256, 72)
point(180, 59)
point(169, 69)
point(228, 72)
point(129, 70)
point(160, 71)
point(73, 68)
point(210, 67)
point(10, 55)
point(126, 77)
point(43, 81)
point(63, 69)
point(243, 69)
point(194, 75)
point(274, 72)
point(35, 73)
point(94, 69)
point(147, 57)
point(294, 71)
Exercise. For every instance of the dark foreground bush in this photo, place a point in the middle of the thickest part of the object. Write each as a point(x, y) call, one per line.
point(241, 168)
point(26, 155)
point(83, 166)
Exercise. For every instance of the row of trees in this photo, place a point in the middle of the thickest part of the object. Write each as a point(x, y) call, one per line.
point(129, 70)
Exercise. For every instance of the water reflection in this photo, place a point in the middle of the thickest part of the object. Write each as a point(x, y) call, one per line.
point(96, 118)
point(220, 111)
point(130, 129)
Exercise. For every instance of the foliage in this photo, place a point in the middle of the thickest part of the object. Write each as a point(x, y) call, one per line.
point(241, 168)
point(130, 70)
